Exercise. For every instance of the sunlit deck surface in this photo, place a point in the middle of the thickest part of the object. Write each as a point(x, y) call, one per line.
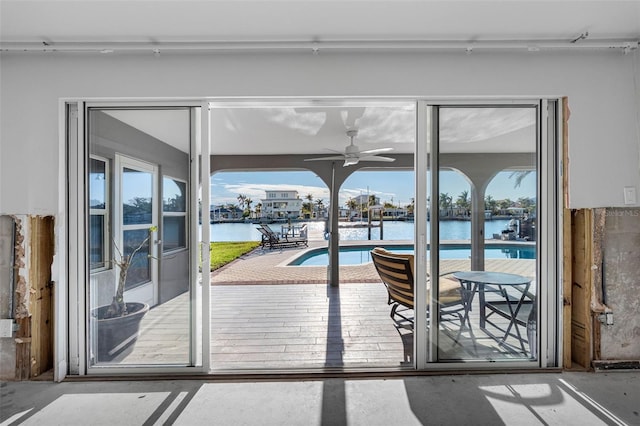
point(292, 319)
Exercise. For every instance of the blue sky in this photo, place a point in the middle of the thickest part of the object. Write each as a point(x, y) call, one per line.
point(388, 185)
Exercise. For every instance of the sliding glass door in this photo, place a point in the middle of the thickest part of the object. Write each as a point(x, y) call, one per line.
point(481, 220)
point(484, 199)
point(143, 301)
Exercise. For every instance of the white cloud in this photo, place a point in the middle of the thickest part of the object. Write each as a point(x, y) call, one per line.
point(256, 191)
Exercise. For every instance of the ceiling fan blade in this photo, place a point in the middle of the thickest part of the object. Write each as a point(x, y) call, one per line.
point(376, 151)
point(376, 158)
point(334, 157)
point(350, 161)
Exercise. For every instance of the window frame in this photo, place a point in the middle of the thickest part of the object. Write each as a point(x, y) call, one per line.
point(176, 214)
point(105, 213)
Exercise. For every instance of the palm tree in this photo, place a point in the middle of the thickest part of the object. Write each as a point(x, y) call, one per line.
point(463, 202)
point(490, 203)
point(307, 208)
point(445, 202)
point(241, 200)
point(308, 204)
point(351, 204)
point(319, 205)
point(232, 208)
point(248, 201)
point(505, 204)
point(527, 203)
point(411, 206)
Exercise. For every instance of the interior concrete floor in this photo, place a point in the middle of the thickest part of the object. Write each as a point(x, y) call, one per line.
point(569, 398)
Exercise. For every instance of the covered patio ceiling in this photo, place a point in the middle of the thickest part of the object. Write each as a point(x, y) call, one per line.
point(308, 129)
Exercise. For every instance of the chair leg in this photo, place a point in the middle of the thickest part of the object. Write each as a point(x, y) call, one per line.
point(394, 313)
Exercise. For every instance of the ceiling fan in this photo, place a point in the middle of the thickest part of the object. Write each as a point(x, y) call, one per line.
point(352, 154)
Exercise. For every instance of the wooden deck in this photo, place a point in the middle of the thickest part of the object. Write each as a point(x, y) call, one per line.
point(303, 326)
point(283, 326)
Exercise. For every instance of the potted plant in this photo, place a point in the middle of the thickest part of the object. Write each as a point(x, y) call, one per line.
point(119, 322)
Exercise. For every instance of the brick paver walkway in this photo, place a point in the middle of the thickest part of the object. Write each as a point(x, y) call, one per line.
point(271, 267)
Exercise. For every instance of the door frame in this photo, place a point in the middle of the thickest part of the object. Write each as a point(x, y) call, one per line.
point(146, 292)
point(70, 343)
point(549, 190)
point(72, 350)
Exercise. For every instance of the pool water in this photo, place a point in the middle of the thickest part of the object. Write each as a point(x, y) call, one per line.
point(360, 254)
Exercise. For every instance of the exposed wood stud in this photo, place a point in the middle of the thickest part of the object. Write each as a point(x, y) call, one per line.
point(582, 284)
point(23, 349)
point(41, 258)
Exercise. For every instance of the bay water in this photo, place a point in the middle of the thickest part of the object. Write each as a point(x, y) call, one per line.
point(393, 230)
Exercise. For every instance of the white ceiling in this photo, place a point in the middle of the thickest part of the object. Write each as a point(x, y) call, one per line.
point(171, 126)
point(58, 21)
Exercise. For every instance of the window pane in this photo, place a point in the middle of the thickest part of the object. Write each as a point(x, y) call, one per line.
point(173, 233)
point(139, 271)
point(96, 241)
point(97, 184)
point(137, 196)
point(173, 195)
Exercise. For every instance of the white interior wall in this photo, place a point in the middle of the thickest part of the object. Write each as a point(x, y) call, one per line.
point(604, 139)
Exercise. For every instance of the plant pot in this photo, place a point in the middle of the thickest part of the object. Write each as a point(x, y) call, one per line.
point(117, 336)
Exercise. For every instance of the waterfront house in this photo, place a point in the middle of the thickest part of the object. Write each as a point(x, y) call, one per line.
point(281, 204)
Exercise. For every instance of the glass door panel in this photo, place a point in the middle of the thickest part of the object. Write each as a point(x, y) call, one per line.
point(485, 202)
point(136, 227)
point(328, 307)
point(140, 237)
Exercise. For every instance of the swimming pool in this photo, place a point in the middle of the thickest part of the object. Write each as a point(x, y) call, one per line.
point(356, 255)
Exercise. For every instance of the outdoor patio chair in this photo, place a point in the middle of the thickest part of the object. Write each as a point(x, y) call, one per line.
point(397, 273)
point(272, 239)
point(269, 230)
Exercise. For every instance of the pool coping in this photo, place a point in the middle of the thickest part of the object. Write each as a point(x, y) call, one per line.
point(390, 243)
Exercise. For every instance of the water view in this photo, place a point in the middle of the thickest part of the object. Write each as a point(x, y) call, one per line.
point(393, 230)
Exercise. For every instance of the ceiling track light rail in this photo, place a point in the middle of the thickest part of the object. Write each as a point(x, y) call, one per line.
point(582, 42)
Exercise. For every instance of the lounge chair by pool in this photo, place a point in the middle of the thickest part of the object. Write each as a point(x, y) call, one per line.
point(272, 239)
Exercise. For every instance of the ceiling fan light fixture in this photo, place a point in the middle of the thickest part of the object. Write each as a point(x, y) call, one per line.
point(352, 154)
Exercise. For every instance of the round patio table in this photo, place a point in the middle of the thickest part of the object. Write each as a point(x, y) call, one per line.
point(480, 281)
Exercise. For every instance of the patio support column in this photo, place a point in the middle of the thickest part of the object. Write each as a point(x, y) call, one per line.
point(477, 227)
point(480, 169)
point(334, 234)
